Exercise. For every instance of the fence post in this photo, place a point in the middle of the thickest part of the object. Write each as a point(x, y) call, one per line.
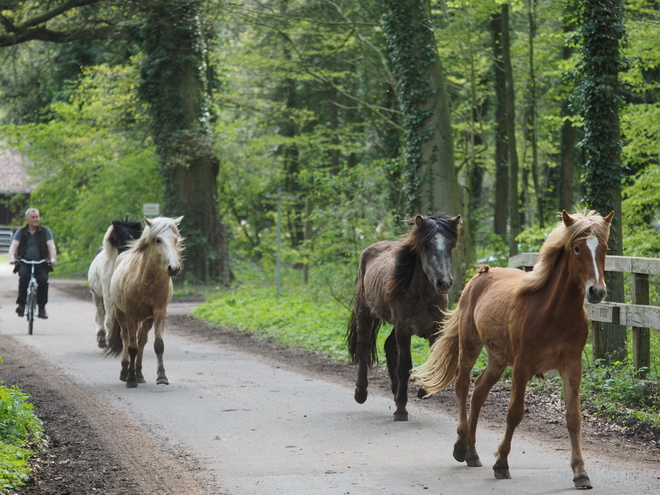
point(641, 336)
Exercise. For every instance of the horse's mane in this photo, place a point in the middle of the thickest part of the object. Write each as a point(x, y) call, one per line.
point(124, 231)
point(405, 255)
point(559, 241)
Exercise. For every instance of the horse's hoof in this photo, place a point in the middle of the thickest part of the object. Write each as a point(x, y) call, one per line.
point(162, 381)
point(582, 482)
point(141, 380)
point(421, 394)
point(502, 473)
point(473, 461)
point(360, 396)
point(401, 416)
point(460, 452)
point(131, 384)
point(123, 376)
point(102, 344)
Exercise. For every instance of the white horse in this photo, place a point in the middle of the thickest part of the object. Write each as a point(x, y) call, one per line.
point(140, 289)
point(115, 241)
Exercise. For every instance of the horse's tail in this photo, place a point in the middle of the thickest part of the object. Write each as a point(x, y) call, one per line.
point(358, 306)
point(439, 371)
point(114, 345)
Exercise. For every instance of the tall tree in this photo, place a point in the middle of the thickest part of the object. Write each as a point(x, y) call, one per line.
point(430, 181)
point(602, 31)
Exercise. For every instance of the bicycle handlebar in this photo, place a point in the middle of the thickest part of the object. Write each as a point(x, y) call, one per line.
point(33, 262)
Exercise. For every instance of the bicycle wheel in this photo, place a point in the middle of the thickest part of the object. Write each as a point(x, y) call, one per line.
point(30, 307)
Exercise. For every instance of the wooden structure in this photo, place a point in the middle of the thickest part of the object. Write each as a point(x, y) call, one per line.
point(639, 315)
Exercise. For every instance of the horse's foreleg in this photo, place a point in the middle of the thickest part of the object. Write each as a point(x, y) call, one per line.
point(143, 337)
point(129, 337)
point(482, 388)
point(514, 416)
point(159, 348)
point(572, 377)
point(403, 367)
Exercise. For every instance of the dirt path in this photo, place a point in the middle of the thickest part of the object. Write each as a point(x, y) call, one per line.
point(89, 440)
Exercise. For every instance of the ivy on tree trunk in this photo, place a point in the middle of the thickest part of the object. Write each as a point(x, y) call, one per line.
point(173, 84)
point(602, 30)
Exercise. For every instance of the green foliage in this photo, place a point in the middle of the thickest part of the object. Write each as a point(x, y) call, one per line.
point(92, 161)
point(20, 432)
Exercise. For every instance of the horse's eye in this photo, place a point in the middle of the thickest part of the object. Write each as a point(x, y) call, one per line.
point(158, 241)
point(576, 249)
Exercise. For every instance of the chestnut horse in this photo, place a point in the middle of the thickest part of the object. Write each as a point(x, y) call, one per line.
point(533, 321)
point(405, 284)
point(141, 289)
point(115, 242)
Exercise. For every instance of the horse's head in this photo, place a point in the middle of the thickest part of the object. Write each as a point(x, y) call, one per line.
point(125, 231)
point(163, 234)
point(436, 238)
point(587, 249)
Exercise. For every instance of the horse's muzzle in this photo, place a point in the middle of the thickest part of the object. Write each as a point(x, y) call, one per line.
point(173, 272)
point(596, 294)
point(443, 286)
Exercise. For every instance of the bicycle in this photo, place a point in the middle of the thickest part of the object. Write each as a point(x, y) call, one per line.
point(31, 299)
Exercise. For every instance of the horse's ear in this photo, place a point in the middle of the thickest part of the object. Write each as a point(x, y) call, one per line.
point(147, 221)
point(567, 219)
point(609, 217)
point(419, 220)
point(457, 221)
point(178, 220)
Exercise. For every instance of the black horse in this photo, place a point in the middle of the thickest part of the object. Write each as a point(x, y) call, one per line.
point(403, 283)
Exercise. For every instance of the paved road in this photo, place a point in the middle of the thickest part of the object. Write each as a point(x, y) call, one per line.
point(263, 430)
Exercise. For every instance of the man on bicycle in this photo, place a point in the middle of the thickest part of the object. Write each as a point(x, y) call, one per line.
point(33, 242)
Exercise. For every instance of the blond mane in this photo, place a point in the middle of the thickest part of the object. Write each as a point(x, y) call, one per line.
point(559, 241)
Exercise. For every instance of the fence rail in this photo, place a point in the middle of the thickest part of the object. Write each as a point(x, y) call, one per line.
point(639, 315)
point(5, 238)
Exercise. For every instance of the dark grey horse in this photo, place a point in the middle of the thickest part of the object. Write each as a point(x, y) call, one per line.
point(404, 283)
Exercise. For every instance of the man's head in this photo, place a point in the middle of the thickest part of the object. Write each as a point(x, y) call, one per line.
point(32, 217)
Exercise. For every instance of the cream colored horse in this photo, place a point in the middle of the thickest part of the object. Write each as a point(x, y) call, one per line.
point(141, 288)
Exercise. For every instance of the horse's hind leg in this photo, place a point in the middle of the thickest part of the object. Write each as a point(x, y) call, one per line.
point(572, 377)
point(365, 341)
point(392, 360)
point(464, 448)
point(99, 319)
point(403, 367)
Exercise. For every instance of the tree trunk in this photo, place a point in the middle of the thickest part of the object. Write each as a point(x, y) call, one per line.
point(173, 85)
point(514, 201)
point(602, 28)
point(530, 127)
point(501, 219)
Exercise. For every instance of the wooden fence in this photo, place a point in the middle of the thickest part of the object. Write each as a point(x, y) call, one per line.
point(638, 315)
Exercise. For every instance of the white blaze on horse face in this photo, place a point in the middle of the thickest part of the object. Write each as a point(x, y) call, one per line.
point(592, 244)
point(437, 263)
point(171, 254)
